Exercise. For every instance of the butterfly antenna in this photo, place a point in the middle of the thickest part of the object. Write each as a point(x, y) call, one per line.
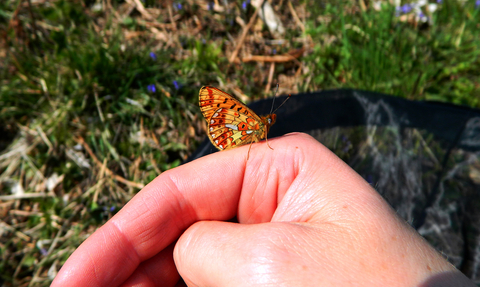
point(274, 96)
point(288, 98)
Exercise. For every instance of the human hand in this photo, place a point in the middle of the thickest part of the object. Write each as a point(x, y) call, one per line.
point(305, 219)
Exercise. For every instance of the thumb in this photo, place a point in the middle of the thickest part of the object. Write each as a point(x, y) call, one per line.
point(230, 254)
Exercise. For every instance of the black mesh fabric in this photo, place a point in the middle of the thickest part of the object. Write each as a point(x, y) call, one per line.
point(422, 157)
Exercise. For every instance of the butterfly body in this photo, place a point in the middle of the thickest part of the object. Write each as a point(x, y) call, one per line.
point(230, 123)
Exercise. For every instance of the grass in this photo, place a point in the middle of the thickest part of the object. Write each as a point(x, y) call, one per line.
point(97, 100)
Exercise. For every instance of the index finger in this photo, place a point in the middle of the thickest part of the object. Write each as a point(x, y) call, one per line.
point(206, 189)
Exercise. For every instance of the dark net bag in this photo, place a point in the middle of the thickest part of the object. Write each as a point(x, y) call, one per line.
point(422, 157)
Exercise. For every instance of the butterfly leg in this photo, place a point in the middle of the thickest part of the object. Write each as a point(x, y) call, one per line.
point(248, 154)
point(268, 144)
point(254, 140)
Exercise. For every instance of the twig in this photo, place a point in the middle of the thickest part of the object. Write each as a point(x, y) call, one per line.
point(170, 14)
point(81, 141)
point(25, 213)
point(25, 196)
point(244, 33)
point(272, 59)
point(141, 9)
point(270, 78)
point(276, 58)
point(362, 5)
point(97, 103)
point(156, 24)
point(295, 17)
point(45, 139)
point(12, 24)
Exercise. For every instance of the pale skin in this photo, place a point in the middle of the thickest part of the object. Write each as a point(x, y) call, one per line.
point(304, 219)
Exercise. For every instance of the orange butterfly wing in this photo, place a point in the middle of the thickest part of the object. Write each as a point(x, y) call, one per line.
point(230, 123)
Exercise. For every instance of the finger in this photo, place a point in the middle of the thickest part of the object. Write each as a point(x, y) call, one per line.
point(206, 189)
point(159, 270)
point(229, 254)
point(303, 254)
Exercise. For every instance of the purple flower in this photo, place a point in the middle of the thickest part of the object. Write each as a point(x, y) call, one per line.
point(477, 3)
point(179, 6)
point(177, 85)
point(112, 208)
point(153, 56)
point(151, 88)
point(245, 4)
point(439, 1)
point(44, 251)
point(210, 6)
point(274, 51)
point(406, 8)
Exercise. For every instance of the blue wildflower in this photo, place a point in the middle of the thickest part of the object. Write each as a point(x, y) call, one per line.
point(151, 88)
point(406, 8)
point(274, 51)
point(245, 4)
point(210, 6)
point(153, 56)
point(176, 84)
point(439, 1)
point(179, 6)
point(112, 208)
point(477, 3)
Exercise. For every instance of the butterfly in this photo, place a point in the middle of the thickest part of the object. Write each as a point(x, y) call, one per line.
point(230, 123)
